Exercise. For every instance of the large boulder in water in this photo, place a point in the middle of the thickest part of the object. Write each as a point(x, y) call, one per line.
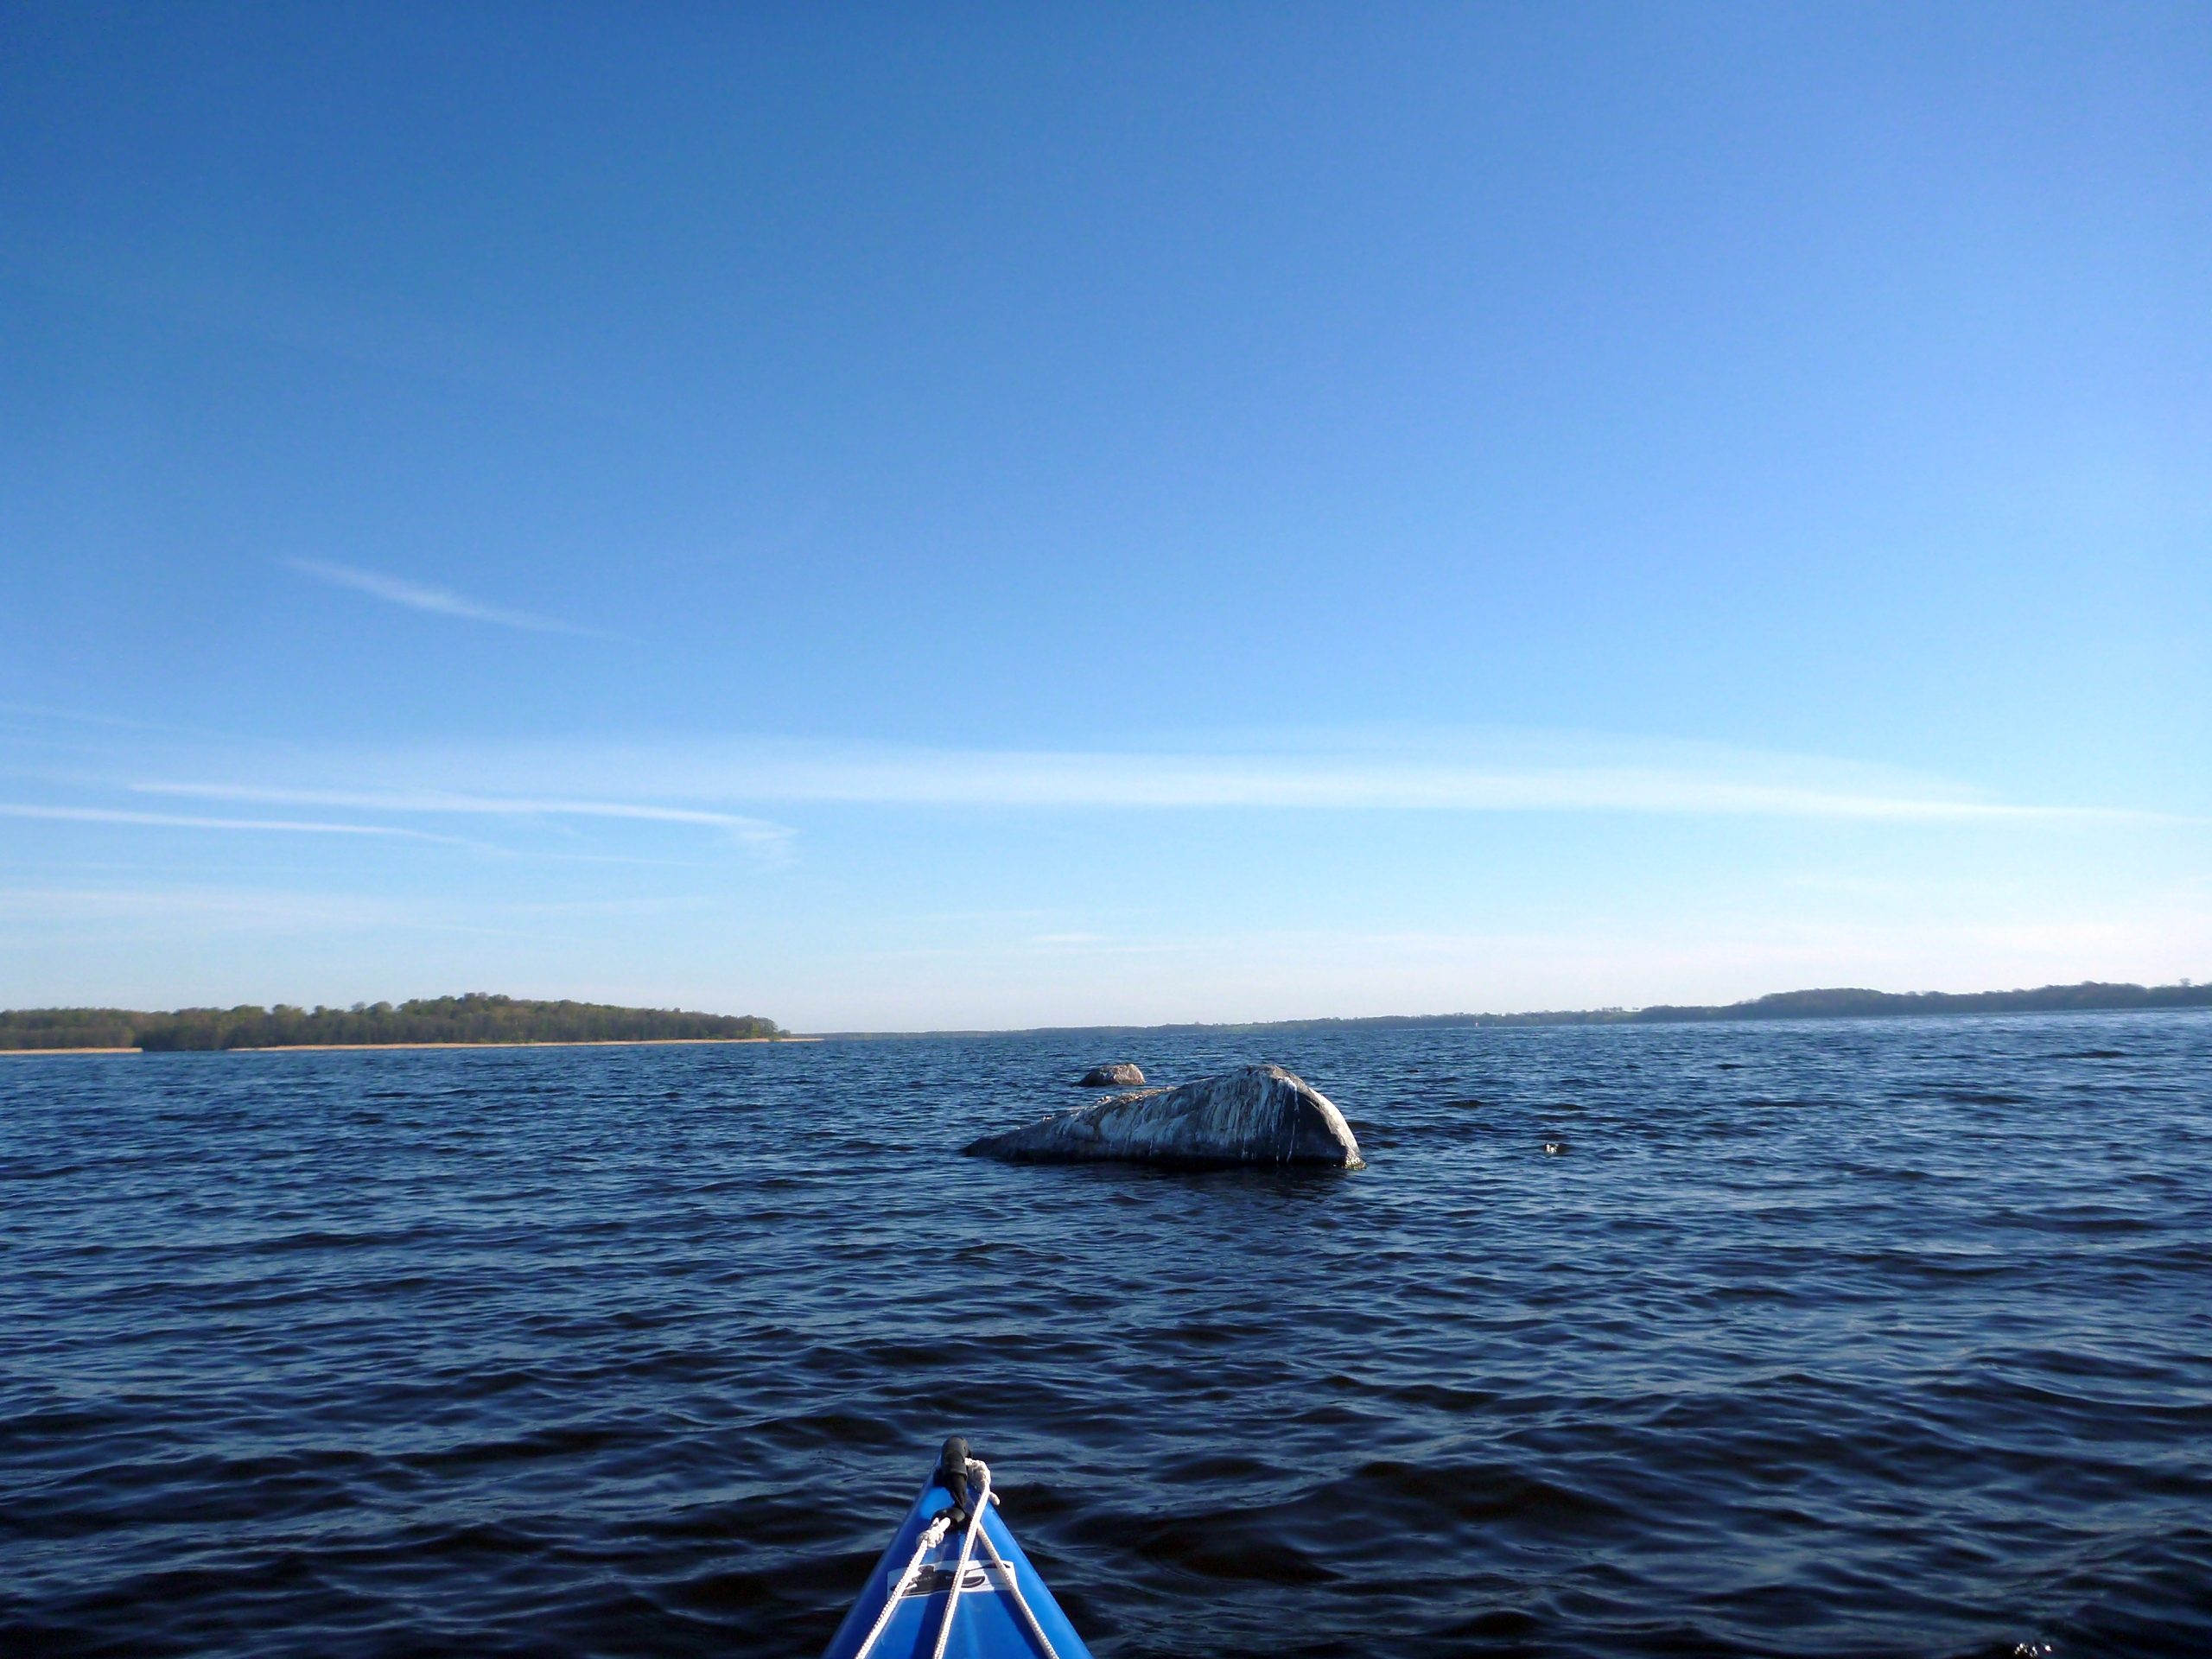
point(1119, 1075)
point(1255, 1115)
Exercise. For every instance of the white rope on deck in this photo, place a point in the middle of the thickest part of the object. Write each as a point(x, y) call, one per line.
point(1036, 1631)
point(967, 1548)
point(934, 1534)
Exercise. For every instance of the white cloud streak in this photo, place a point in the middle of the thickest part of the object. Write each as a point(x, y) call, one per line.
point(708, 777)
point(188, 821)
point(439, 601)
point(757, 832)
point(157, 911)
point(1017, 780)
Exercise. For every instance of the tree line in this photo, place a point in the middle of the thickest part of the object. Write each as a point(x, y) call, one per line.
point(1837, 1004)
point(2088, 995)
point(1840, 1004)
point(477, 1017)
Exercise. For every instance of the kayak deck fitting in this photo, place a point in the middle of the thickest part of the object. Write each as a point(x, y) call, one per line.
point(954, 1584)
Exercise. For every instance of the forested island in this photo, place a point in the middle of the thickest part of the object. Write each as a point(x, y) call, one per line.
point(477, 1017)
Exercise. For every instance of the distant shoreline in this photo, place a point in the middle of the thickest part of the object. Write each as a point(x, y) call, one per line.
point(2090, 996)
point(330, 1048)
point(199, 1031)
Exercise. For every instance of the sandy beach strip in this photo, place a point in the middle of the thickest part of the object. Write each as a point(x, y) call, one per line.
point(541, 1042)
point(5, 1052)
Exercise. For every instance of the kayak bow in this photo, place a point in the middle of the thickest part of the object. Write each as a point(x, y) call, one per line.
point(954, 1584)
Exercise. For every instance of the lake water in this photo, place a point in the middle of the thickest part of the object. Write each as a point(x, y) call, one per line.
point(1844, 1338)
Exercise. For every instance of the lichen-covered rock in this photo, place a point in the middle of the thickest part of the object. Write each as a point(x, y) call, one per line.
point(1119, 1075)
point(1255, 1115)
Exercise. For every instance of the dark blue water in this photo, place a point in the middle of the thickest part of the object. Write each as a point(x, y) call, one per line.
point(1818, 1339)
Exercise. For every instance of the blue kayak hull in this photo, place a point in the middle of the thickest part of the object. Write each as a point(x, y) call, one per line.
point(987, 1619)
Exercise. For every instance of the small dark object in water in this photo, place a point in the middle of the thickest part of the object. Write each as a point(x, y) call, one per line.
point(1553, 1149)
point(1119, 1075)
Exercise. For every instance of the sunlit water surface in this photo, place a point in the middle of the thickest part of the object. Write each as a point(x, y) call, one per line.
point(1817, 1339)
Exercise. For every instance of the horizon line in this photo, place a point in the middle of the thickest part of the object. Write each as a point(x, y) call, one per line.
point(1606, 1013)
point(1611, 1012)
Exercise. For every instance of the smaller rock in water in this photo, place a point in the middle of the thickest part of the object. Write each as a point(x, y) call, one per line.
point(1119, 1075)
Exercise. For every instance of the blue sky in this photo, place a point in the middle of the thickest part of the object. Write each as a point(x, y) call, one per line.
point(901, 516)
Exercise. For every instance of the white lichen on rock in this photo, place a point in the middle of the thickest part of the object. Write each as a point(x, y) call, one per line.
point(1255, 1115)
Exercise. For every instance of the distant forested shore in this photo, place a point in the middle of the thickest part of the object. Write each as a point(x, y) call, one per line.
point(2088, 995)
point(478, 1017)
point(1846, 1004)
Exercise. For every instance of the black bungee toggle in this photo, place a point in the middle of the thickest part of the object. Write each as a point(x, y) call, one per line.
point(953, 1474)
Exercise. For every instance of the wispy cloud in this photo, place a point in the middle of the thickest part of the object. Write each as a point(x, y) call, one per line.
point(45, 712)
point(1122, 780)
point(716, 785)
point(137, 911)
point(707, 779)
point(189, 821)
point(758, 832)
point(439, 601)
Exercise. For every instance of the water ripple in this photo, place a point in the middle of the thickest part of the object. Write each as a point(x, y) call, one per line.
point(1879, 1338)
